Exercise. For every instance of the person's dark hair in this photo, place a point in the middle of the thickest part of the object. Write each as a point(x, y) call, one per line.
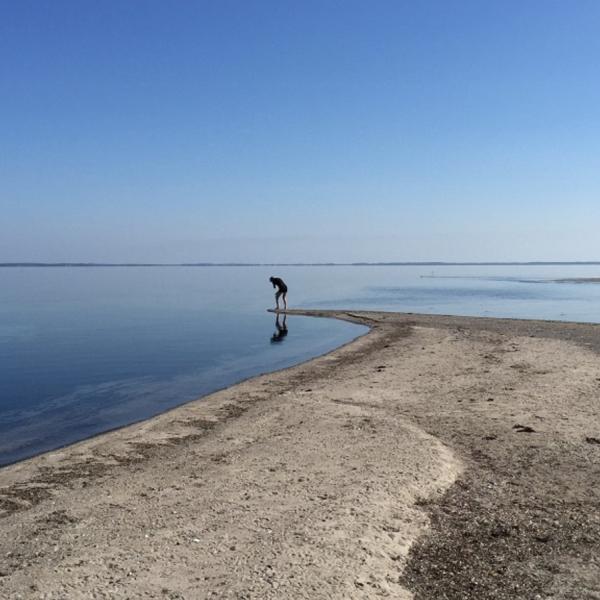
point(271, 278)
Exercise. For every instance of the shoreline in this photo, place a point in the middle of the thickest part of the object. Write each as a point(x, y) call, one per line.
point(220, 388)
point(346, 476)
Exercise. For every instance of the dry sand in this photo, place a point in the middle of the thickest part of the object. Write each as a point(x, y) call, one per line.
point(435, 457)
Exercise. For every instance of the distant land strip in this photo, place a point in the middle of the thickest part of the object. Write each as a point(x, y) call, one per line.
point(299, 264)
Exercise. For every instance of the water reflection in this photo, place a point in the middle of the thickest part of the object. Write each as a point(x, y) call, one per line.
point(281, 330)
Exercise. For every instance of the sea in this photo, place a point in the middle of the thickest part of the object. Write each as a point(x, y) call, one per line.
point(84, 350)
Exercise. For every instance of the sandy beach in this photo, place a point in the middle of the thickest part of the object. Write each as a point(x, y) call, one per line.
point(435, 457)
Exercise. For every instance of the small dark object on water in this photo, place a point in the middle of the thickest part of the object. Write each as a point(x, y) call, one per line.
point(592, 440)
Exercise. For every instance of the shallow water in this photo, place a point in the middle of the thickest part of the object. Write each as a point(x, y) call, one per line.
point(84, 350)
point(530, 292)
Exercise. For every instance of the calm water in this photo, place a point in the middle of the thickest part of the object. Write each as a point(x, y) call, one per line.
point(87, 350)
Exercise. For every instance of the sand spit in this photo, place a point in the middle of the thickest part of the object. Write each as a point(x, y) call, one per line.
point(478, 439)
point(578, 280)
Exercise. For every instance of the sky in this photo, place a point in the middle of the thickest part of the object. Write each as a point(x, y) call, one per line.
point(299, 131)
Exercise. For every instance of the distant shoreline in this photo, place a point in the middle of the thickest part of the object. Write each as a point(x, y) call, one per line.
point(578, 280)
point(308, 264)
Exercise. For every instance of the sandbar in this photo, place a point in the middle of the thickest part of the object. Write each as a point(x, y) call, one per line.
point(434, 457)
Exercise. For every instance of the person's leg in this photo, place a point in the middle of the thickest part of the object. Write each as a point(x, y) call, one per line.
point(277, 294)
point(284, 300)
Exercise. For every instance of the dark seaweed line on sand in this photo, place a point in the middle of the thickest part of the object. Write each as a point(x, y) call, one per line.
point(490, 539)
point(511, 527)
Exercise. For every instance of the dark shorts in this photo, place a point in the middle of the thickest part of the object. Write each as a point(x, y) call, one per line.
point(280, 292)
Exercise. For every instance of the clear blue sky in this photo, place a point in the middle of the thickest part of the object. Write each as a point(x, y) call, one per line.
point(299, 131)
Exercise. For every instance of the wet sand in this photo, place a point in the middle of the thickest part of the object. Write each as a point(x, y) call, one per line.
point(435, 457)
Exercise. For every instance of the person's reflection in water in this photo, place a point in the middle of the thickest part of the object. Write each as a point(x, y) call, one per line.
point(280, 330)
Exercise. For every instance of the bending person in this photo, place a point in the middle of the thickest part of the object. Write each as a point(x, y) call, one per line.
point(281, 291)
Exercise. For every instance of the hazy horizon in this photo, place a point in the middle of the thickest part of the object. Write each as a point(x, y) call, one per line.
point(297, 264)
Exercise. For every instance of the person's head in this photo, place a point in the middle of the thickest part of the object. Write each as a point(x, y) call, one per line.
point(271, 279)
